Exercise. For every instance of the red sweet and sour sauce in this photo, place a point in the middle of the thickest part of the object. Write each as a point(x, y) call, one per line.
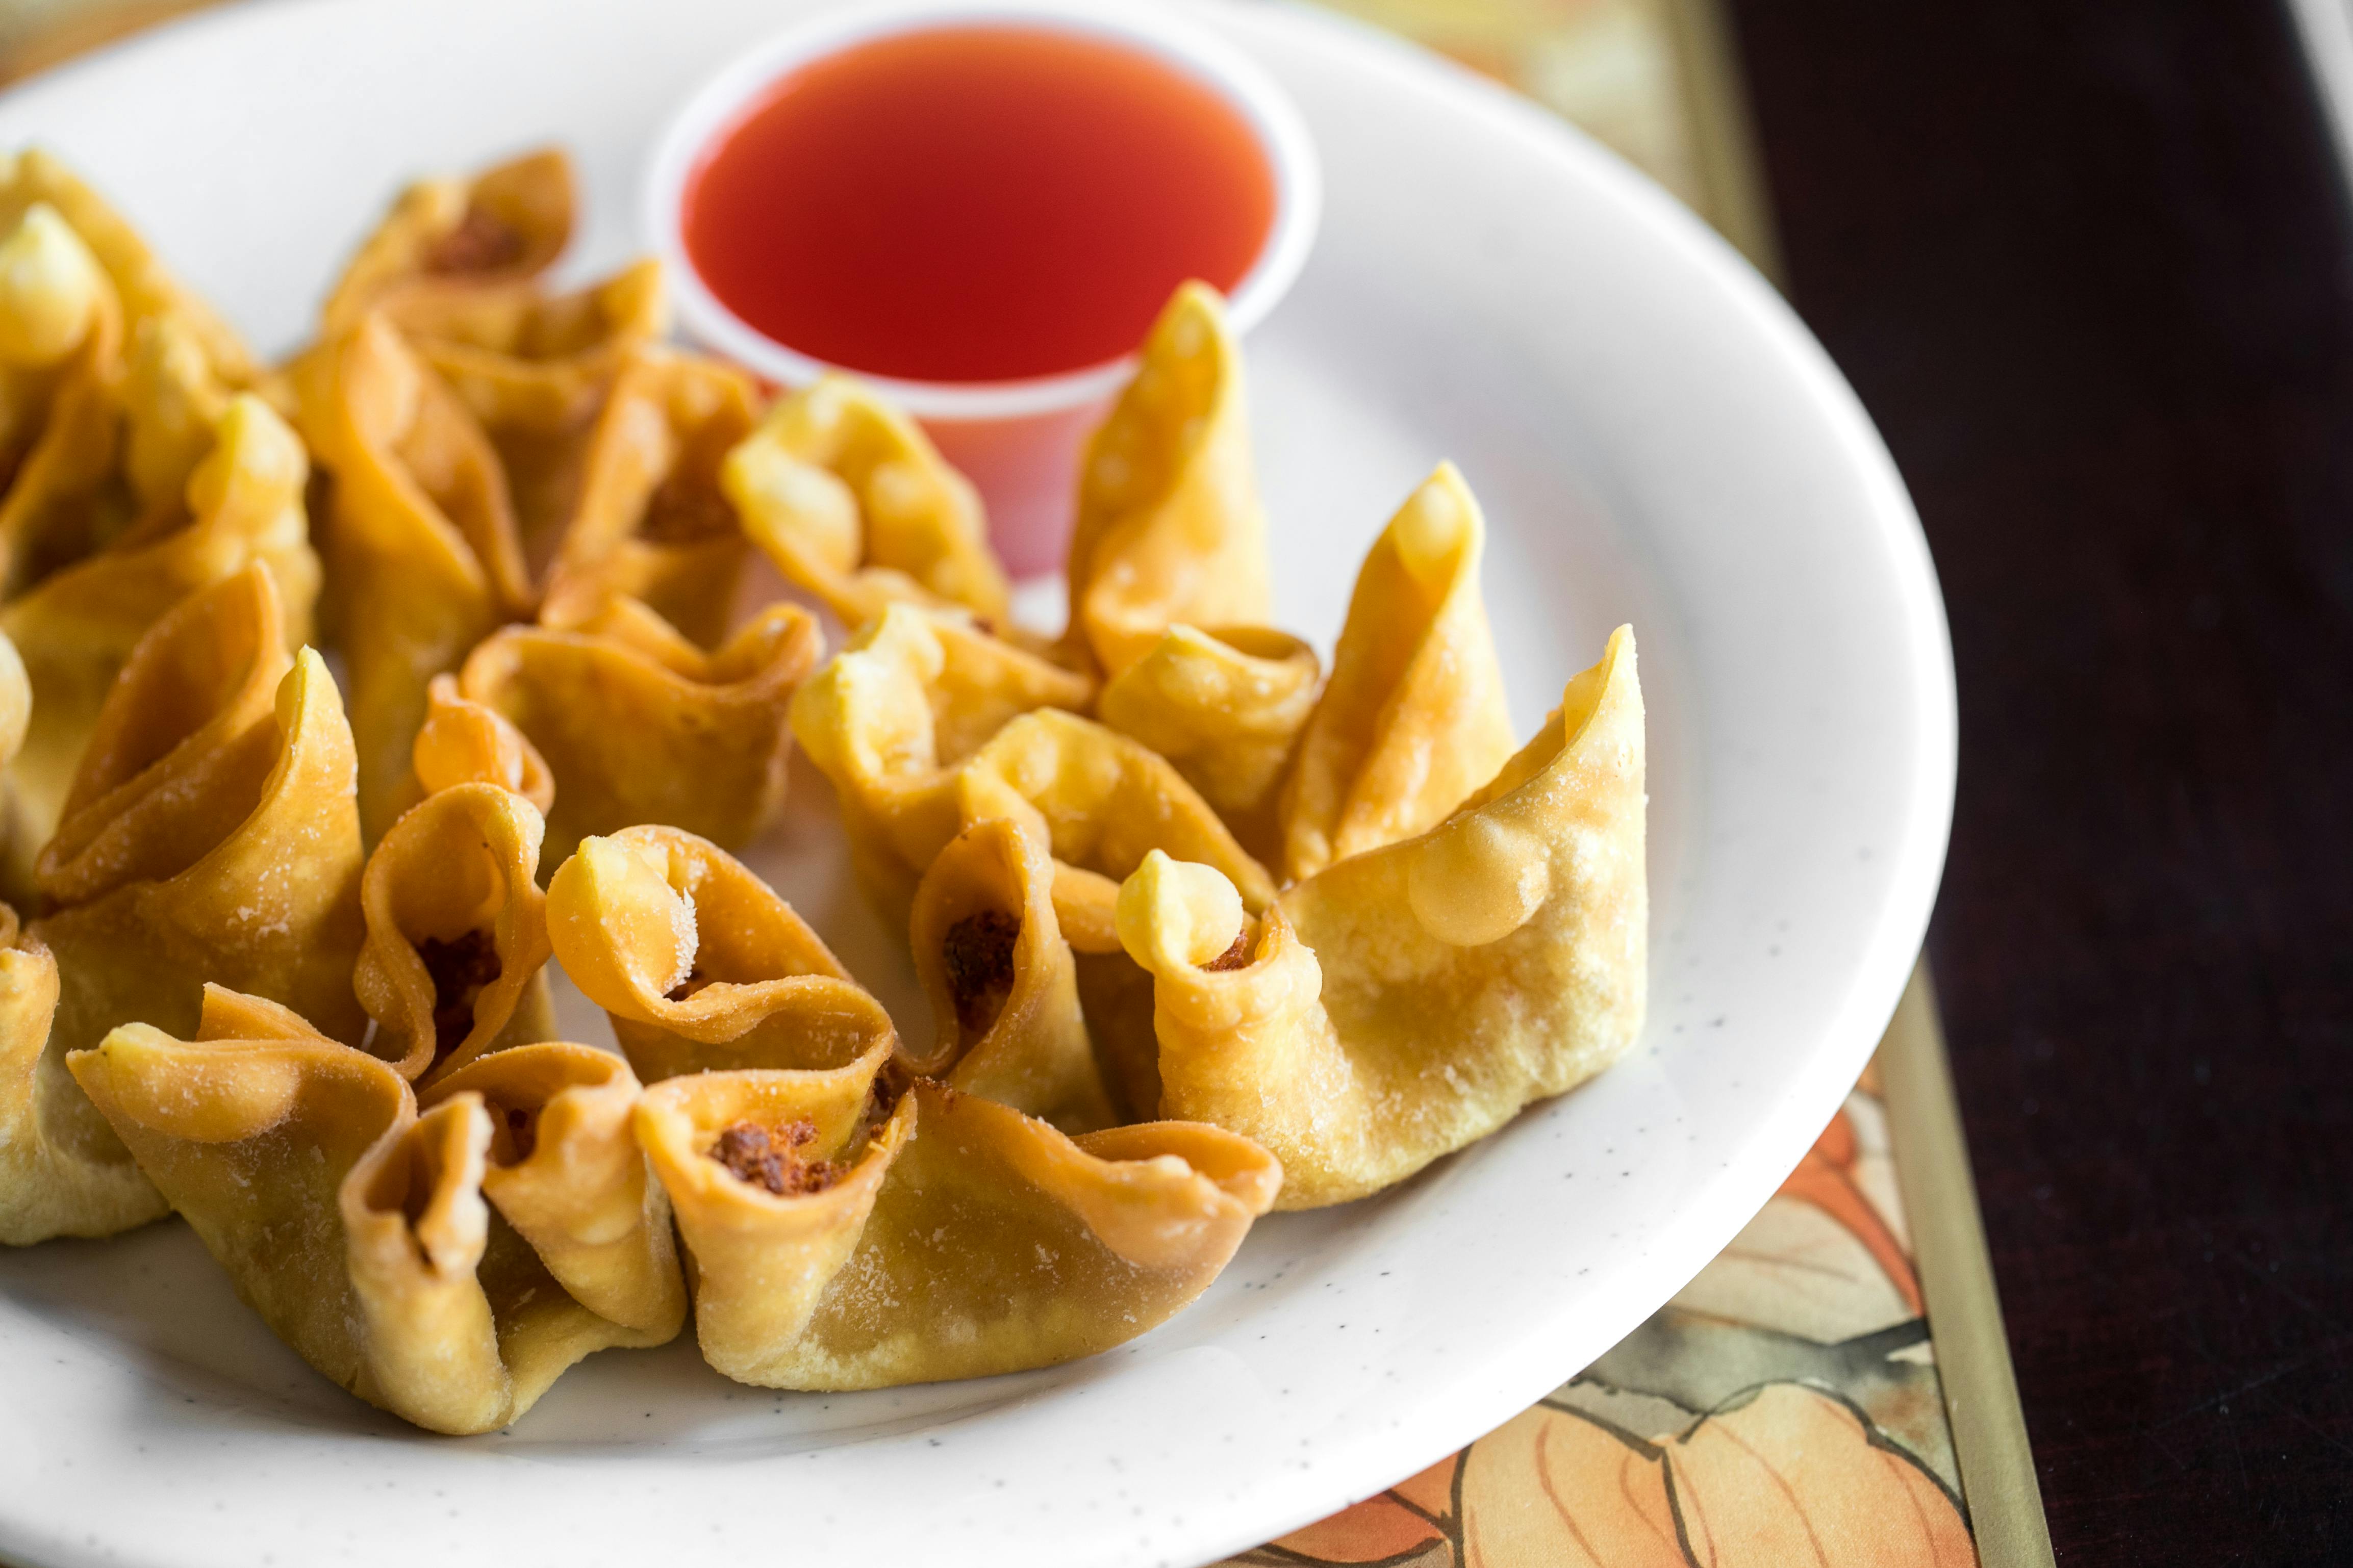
point(975, 203)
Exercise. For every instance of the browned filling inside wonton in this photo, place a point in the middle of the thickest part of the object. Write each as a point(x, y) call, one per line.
point(770, 1157)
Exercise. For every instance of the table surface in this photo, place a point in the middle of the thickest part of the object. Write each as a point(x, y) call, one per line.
point(2091, 268)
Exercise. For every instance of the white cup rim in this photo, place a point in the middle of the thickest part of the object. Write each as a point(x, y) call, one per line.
point(1193, 49)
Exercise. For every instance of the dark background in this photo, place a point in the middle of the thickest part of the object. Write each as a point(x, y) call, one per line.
point(2090, 266)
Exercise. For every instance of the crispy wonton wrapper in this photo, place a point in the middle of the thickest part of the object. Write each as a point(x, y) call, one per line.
point(638, 724)
point(446, 1267)
point(1410, 999)
point(953, 1237)
point(651, 522)
point(1226, 708)
point(422, 544)
point(851, 500)
point(146, 289)
point(698, 963)
point(1413, 718)
point(880, 721)
point(506, 225)
point(1001, 981)
point(464, 742)
point(242, 508)
point(454, 962)
point(211, 834)
point(1169, 526)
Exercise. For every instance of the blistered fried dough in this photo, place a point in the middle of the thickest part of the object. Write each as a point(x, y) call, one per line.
point(503, 225)
point(524, 359)
point(1413, 718)
point(698, 963)
point(359, 1230)
point(146, 289)
point(1169, 526)
point(565, 1172)
point(423, 542)
point(456, 932)
point(465, 741)
point(242, 512)
point(1226, 708)
point(638, 724)
point(851, 500)
point(211, 834)
point(1002, 985)
point(61, 345)
point(1409, 1000)
point(651, 522)
point(882, 720)
point(953, 1238)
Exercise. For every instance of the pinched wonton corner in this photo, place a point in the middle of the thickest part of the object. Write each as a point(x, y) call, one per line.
point(463, 741)
point(1225, 707)
point(446, 1267)
point(638, 724)
point(454, 962)
point(852, 501)
point(878, 720)
point(506, 225)
point(1411, 999)
point(421, 518)
point(1413, 718)
point(1169, 526)
point(1001, 981)
point(211, 833)
point(698, 963)
point(838, 1247)
point(649, 521)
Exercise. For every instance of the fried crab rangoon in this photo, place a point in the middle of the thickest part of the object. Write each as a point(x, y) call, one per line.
point(457, 932)
point(840, 1245)
point(1413, 718)
point(638, 724)
point(852, 501)
point(423, 545)
point(698, 963)
point(882, 720)
point(504, 225)
point(650, 522)
point(464, 742)
point(1169, 527)
point(1225, 707)
point(446, 1266)
point(1411, 999)
point(1002, 982)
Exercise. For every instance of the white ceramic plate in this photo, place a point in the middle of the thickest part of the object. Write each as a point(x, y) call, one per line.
point(1657, 441)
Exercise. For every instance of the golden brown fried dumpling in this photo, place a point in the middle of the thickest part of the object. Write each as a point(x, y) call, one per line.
point(1226, 708)
point(456, 932)
point(211, 833)
point(651, 522)
point(146, 289)
point(1169, 526)
point(422, 543)
point(638, 724)
point(1002, 983)
point(1413, 718)
point(506, 225)
point(61, 346)
point(62, 1170)
point(954, 1238)
point(1410, 999)
point(698, 963)
point(242, 507)
point(881, 720)
point(851, 500)
point(402, 1255)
